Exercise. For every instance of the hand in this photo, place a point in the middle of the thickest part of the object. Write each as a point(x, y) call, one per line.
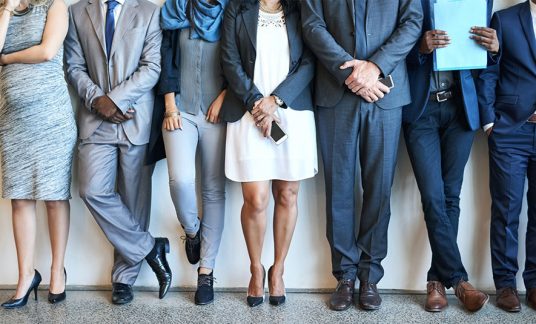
point(375, 93)
point(104, 107)
point(433, 39)
point(266, 125)
point(119, 117)
point(263, 108)
point(172, 122)
point(489, 131)
point(486, 37)
point(213, 114)
point(364, 75)
point(11, 4)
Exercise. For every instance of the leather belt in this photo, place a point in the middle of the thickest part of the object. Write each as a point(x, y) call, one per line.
point(441, 96)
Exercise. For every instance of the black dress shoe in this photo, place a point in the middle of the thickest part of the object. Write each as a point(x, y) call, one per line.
point(204, 294)
point(192, 245)
point(21, 302)
point(121, 294)
point(57, 298)
point(343, 297)
point(157, 261)
point(275, 300)
point(369, 298)
point(254, 301)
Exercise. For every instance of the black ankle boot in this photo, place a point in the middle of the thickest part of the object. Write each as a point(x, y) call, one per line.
point(157, 261)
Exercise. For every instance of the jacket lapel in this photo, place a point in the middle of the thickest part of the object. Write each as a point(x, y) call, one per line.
point(251, 20)
point(526, 22)
point(351, 6)
point(95, 16)
point(123, 24)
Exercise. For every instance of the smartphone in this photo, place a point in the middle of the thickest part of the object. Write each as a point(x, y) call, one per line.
point(277, 134)
point(388, 81)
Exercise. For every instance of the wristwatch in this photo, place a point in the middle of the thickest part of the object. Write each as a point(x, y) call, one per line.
point(279, 101)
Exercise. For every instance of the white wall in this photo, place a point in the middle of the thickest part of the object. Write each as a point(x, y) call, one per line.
point(89, 256)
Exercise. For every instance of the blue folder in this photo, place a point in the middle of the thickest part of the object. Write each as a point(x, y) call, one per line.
point(456, 17)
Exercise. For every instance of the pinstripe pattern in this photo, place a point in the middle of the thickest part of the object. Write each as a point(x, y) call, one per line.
point(37, 126)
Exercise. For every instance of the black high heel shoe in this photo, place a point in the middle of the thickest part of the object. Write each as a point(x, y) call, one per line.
point(256, 301)
point(57, 298)
point(21, 302)
point(275, 300)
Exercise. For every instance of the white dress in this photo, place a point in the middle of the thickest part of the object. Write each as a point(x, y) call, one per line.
point(249, 155)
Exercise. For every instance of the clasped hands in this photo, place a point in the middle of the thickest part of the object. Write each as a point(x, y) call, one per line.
point(363, 81)
point(108, 110)
point(264, 114)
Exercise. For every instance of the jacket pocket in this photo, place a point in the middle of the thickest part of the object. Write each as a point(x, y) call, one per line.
point(506, 99)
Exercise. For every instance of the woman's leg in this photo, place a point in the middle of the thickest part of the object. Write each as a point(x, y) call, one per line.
point(256, 197)
point(24, 230)
point(285, 217)
point(58, 228)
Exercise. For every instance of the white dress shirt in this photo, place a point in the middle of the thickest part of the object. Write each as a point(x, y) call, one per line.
point(533, 13)
point(117, 10)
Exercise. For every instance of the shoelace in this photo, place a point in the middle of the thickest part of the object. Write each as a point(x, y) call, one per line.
point(205, 281)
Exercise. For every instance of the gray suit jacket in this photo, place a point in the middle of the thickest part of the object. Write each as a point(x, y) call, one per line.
point(392, 27)
point(132, 71)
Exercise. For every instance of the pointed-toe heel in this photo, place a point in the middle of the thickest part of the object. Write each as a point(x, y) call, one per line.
point(275, 300)
point(58, 298)
point(21, 302)
point(254, 301)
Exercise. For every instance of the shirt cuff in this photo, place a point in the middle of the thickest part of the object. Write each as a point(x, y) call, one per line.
point(488, 126)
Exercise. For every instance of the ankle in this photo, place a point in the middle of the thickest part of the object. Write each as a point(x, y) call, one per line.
point(204, 271)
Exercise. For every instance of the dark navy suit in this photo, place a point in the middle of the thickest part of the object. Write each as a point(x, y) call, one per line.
point(439, 136)
point(507, 95)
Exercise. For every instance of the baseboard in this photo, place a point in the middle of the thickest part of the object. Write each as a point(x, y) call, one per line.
point(239, 290)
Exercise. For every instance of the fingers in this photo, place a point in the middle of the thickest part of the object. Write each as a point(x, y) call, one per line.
point(378, 93)
point(383, 88)
point(178, 122)
point(348, 64)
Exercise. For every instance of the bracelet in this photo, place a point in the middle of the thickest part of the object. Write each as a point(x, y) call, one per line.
point(172, 114)
point(10, 11)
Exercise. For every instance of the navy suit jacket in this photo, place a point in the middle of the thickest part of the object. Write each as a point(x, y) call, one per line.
point(239, 42)
point(391, 29)
point(420, 69)
point(507, 91)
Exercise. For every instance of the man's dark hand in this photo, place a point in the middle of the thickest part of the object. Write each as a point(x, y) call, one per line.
point(433, 39)
point(486, 37)
point(119, 117)
point(104, 107)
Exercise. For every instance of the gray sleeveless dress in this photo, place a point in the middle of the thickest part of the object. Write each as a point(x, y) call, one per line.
point(37, 126)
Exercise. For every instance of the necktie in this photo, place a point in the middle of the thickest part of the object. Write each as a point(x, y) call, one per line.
point(110, 25)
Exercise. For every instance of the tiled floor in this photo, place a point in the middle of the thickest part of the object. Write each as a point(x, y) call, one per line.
point(177, 307)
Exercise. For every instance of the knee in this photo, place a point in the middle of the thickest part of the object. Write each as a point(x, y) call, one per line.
point(22, 203)
point(181, 182)
point(55, 204)
point(256, 202)
point(286, 197)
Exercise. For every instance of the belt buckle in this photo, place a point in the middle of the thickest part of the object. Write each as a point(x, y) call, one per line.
point(439, 98)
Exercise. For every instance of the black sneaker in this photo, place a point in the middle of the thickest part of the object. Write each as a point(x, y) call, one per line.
point(193, 247)
point(205, 289)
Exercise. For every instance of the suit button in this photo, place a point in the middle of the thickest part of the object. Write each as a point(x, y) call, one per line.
point(352, 33)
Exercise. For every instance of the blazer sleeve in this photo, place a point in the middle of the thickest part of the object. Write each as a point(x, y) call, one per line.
point(403, 39)
point(237, 79)
point(321, 42)
point(486, 83)
point(76, 66)
point(146, 76)
point(297, 80)
point(170, 51)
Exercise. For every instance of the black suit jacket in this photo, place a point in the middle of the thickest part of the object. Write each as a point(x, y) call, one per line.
point(239, 42)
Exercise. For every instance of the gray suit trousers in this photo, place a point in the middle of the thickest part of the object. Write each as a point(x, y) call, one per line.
point(115, 184)
point(352, 129)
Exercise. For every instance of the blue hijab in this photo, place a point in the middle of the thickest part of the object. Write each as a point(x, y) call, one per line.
point(204, 19)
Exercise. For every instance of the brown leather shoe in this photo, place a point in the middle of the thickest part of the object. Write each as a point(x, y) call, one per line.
point(369, 298)
point(343, 297)
point(436, 297)
point(531, 298)
point(508, 300)
point(473, 300)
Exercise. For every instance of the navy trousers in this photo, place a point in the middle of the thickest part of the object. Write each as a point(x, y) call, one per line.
point(512, 159)
point(439, 144)
point(355, 128)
